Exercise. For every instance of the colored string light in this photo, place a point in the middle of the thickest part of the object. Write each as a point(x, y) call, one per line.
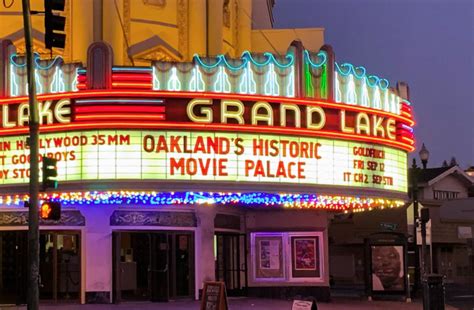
point(250, 199)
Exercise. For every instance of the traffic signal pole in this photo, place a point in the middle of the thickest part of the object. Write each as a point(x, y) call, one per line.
point(33, 214)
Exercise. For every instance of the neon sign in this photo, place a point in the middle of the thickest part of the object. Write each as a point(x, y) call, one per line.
point(191, 156)
point(49, 112)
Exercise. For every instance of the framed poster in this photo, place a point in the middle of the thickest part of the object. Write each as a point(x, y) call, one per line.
point(304, 253)
point(268, 256)
point(305, 256)
point(387, 268)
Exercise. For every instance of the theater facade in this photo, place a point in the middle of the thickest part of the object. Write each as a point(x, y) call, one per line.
point(181, 172)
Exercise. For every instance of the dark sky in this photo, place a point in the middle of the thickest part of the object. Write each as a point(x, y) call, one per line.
point(427, 43)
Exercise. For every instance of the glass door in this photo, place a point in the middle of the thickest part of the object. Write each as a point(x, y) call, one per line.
point(159, 267)
point(152, 265)
point(231, 262)
point(181, 265)
point(60, 265)
point(13, 267)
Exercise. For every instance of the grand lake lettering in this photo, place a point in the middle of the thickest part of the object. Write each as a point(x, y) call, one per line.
point(17, 115)
point(311, 117)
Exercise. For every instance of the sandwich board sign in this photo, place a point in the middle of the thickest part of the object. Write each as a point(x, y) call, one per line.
point(304, 305)
point(214, 296)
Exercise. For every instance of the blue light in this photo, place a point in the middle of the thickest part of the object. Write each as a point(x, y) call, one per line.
point(246, 57)
point(360, 72)
point(36, 58)
point(132, 69)
point(321, 55)
point(242, 65)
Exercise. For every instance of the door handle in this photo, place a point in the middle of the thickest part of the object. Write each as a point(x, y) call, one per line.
point(164, 269)
point(160, 270)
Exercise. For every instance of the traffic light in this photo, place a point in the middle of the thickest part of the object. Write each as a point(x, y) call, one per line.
point(54, 23)
point(50, 210)
point(50, 173)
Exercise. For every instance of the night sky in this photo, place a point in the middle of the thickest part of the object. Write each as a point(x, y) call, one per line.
point(427, 43)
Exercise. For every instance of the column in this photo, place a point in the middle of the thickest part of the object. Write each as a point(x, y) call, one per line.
point(215, 20)
point(197, 28)
point(205, 265)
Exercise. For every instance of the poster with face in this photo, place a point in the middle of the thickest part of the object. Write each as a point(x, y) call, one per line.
point(388, 268)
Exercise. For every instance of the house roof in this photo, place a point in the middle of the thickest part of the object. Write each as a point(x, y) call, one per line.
point(425, 175)
point(433, 175)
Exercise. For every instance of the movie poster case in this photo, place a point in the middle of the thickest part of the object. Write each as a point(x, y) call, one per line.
point(287, 256)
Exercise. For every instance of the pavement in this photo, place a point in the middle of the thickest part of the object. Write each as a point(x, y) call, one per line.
point(243, 304)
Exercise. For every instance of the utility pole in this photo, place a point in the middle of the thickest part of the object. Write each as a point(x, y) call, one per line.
point(33, 214)
point(414, 186)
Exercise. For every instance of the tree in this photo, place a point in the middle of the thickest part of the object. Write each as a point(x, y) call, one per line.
point(453, 162)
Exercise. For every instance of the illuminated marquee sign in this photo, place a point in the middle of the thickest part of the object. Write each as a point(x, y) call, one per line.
point(185, 155)
point(216, 137)
point(216, 112)
point(312, 117)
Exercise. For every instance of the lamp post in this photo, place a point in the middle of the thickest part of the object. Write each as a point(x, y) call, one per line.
point(425, 215)
point(424, 156)
point(414, 198)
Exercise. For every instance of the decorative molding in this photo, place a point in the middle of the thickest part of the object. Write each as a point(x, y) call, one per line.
point(20, 218)
point(226, 13)
point(235, 28)
point(157, 54)
point(183, 28)
point(156, 3)
point(152, 218)
point(154, 48)
point(126, 26)
point(67, 53)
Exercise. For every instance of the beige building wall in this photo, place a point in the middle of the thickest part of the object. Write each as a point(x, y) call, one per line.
point(173, 30)
point(78, 22)
point(278, 40)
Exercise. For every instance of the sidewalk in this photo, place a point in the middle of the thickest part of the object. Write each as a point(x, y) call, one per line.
point(243, 304)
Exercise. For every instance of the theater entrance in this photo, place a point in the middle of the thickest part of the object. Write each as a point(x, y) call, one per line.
point(60, 266)
point(231, 262)
point(153, 266)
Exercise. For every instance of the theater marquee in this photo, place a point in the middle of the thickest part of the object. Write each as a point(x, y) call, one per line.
point(217, 137)
point(184, 155)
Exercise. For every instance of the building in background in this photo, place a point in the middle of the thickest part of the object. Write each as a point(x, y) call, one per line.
point(445, 191)
point(192, 147)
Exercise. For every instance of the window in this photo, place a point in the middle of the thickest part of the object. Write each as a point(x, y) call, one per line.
point(443, 195)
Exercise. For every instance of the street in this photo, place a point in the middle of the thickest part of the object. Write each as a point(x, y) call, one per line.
point(246, 303)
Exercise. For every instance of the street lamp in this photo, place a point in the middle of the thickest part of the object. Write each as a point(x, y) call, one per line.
point(414, 198)
point(424, 155)
point(425, 213)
